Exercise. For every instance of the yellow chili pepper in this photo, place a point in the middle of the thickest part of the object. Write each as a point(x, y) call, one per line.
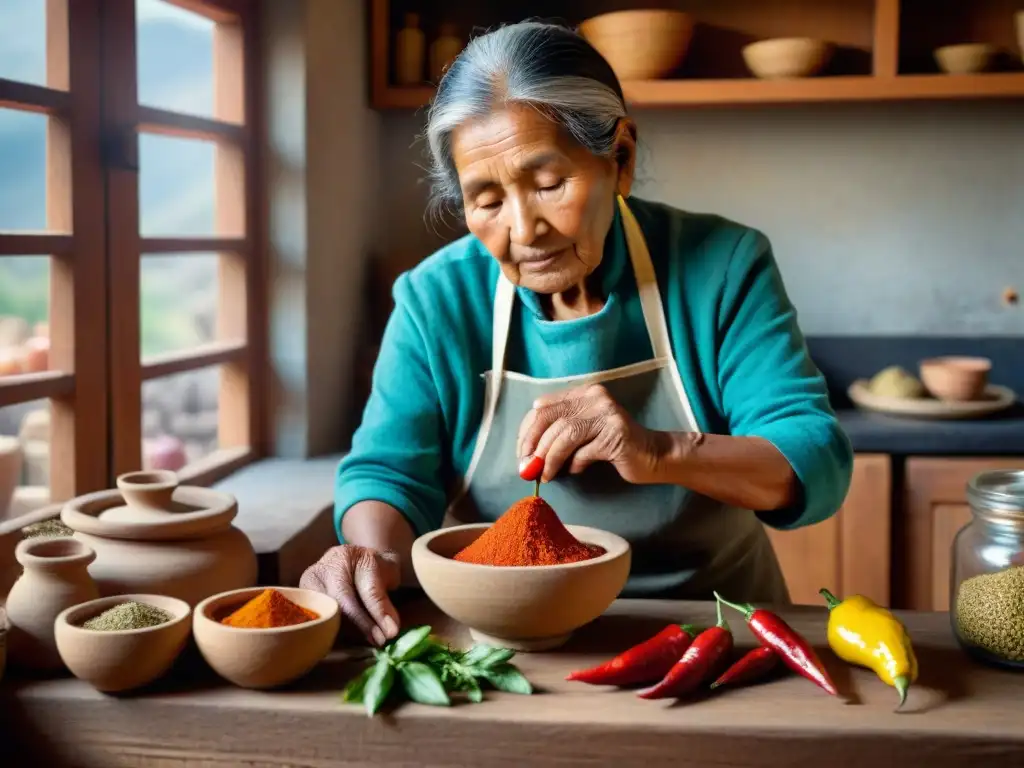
point(862, 632)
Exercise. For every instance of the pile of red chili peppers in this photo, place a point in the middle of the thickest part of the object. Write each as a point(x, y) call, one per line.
point(680, 659)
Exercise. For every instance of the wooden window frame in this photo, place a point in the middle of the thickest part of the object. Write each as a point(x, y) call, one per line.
point(75, 242)
point(95, 248)
point(241, 322)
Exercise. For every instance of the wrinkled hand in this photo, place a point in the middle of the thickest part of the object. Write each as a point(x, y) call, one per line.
point(359, 578)
point(587, 425)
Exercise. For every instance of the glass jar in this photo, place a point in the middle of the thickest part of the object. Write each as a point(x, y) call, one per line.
point(987, 573)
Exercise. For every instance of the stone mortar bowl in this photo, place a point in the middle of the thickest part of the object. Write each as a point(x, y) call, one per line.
point(525, 608)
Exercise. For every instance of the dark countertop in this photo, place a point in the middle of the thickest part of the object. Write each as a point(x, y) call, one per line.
point(998, 435)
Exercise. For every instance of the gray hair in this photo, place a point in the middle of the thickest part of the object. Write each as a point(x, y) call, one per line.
point(547, 66)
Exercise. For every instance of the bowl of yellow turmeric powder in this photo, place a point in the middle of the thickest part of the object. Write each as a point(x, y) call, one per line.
point(264, 637)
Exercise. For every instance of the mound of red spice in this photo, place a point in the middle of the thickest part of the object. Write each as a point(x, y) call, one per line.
point(528, 533)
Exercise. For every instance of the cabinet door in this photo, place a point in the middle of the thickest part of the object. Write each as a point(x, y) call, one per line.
point(849, 552)
point(935, 494)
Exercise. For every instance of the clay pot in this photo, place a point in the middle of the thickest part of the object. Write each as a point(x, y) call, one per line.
point(55, 576)
point(153, 536)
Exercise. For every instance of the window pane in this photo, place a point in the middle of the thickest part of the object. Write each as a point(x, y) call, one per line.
point(176, 187)
point(22, 169)
point(23, 40)
point(24, 314)
point(178, 302)
point(179, 418)
point(24, 458)
point(175, 58)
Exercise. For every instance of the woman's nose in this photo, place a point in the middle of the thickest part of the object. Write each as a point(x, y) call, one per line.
point(525, 225)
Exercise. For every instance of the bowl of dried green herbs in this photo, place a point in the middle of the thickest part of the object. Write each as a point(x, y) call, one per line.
point(122, 642)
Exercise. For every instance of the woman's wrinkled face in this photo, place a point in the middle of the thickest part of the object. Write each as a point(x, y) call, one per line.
point(540, 203)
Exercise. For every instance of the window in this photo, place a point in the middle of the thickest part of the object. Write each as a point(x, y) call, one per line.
point(131, 314)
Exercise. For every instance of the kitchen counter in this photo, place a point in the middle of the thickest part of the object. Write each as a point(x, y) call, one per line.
point(997, 435)
point(959, 710)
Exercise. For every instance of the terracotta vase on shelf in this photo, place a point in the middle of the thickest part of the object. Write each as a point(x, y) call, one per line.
point(154, 536)
point(410, 52)
point(443, 51)
point(55, 576)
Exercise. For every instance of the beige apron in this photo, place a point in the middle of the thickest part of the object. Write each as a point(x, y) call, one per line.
point(684, 544)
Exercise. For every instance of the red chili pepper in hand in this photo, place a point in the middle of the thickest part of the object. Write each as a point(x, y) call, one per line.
point(753, 665)
point(531, 467)
point(644, 662)
point(701, 659)
point(792, 648)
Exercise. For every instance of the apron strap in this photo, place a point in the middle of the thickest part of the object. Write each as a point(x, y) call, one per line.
point(646, 283)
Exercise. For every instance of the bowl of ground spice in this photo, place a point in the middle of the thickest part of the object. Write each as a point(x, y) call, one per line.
point(525, 582)
point(122, 642)
point(264, 637)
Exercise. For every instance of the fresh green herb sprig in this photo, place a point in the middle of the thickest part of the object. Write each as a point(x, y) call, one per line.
point(428, 672)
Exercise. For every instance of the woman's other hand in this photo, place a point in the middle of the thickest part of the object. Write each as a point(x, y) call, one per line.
point(359, 578)
point(585, 425)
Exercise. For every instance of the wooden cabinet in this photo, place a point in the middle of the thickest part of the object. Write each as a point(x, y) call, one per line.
point(934, 509)
point(850, 552)
point(884, 48)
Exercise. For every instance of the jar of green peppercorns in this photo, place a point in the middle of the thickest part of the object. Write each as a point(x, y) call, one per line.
point(987, 579)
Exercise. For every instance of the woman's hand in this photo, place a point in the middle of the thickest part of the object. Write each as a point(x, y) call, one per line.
point(587, 425)
point(359, 578)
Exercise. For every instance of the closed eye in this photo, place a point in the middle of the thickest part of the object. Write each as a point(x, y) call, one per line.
point(553, 187)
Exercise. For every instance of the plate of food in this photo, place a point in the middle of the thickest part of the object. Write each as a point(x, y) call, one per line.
point(897, 392)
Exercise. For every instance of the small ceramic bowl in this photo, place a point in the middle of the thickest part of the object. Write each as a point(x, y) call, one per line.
point(965, 58)
point(786, 57)
point(264, 658)
point(525, 608)
point(119, 660)
point(956, 379)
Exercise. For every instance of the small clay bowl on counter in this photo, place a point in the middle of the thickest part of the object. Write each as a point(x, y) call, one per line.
point(956, 378)
point(264, 658)
point(524, 608)
point(118, 660)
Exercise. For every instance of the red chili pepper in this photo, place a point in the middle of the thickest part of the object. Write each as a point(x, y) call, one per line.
point(794, 650)
point(643, 663)
point(701, 659)
point(531, 467)
point(752, 665)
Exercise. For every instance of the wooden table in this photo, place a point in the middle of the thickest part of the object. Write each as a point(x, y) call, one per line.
point(959, 712)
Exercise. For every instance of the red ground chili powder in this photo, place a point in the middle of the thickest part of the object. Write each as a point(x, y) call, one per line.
point(529, 533)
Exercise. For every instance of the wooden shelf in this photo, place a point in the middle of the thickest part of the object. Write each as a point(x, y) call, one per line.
point(884, 49)
point(696, 93)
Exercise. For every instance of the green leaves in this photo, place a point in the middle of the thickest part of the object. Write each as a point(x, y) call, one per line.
point(378, 686)
point(507, 678)
point(422, 684)
point(410, 644)
point(428, 672)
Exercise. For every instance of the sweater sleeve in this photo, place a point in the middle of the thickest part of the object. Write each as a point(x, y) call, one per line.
point(771, 388)
point(396, 454)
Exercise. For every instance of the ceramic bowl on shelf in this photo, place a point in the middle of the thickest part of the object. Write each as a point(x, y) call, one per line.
point(526, 608)
point(640, 44)
point(965, 58)
point(265, 658)
point(956, 379)
point(787, 57)
point(120, 660)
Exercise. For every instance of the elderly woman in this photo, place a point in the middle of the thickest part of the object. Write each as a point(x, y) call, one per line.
point(648, 355)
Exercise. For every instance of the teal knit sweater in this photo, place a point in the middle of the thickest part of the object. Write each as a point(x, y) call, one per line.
point(740, 353)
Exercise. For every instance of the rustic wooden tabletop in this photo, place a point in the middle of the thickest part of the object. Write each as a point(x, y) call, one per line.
point(958, 710)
